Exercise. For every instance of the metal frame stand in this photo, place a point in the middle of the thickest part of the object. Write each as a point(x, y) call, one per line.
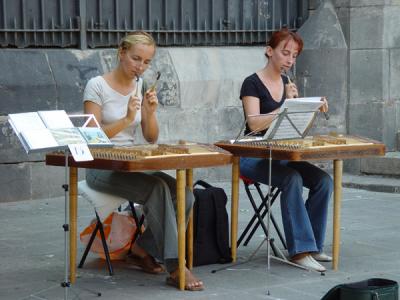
point(259, 214)
point(280, 116)
point(267, 239)
point(282, 258)
point(66, 284)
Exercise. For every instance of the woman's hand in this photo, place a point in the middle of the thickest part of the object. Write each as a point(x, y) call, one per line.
point(150, 101)
point(324, 107)
point(149, 118)
point(133, 107)
point(291, 90)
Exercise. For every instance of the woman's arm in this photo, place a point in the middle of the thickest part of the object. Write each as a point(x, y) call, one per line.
point(113, 128)
point(256, 121)
point(149, 120)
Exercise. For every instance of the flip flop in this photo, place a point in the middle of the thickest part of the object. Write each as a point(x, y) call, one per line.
point(147, 264)
point(175, 283)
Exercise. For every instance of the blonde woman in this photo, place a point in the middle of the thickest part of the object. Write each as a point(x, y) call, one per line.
point(117, 101)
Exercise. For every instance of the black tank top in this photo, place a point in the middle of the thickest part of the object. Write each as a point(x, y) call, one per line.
point(254, 87)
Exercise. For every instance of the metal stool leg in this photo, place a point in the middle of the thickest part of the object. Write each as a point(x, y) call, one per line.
point(138, 223)
point(252, 220)
point(275, 192)
point(264, 227)
point(89, 245)
point(262, 206)
point(105, 247)
point(260, 213)
point(99, 226)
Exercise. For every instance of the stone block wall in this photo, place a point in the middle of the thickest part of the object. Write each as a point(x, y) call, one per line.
point(351, 55)
point(198, 93)
point(370, 28)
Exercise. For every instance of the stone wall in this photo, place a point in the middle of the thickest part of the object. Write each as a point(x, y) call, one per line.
point(372, 109)
point(198, 93)
point(375, 70)
point(351, 55)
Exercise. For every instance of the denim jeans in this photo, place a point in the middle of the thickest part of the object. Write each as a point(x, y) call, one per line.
point(304, 223)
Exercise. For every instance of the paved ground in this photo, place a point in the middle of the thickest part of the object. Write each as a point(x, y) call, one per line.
point(32, 256)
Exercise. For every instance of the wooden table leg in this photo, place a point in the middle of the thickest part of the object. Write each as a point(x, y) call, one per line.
point(189, 230)
point(337, 197)
point(181, 224)
point(73, 216)
point(234, 205)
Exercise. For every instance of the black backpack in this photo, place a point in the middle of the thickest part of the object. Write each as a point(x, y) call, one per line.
point(211, 228)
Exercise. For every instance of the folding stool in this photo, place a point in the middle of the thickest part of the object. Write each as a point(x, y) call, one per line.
point(259, 214)
point(104, 205)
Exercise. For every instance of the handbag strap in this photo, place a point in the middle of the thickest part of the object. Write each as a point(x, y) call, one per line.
point(375, 295)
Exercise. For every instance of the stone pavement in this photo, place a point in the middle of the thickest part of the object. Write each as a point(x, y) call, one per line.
point(32, 256)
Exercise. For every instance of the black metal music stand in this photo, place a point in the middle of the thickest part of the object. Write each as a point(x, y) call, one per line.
point(269, 139)
point(283, 116)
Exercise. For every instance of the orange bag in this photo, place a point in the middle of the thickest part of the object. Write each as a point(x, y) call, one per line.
point(119, 228)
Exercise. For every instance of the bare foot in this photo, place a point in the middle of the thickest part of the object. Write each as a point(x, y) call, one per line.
point(192, 283)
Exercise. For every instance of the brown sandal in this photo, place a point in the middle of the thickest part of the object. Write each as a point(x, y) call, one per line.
point(147, 264)
point(175, 282)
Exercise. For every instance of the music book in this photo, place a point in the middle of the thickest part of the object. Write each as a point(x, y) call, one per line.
point(294, 119)
point(54, 130)
point(95, 137)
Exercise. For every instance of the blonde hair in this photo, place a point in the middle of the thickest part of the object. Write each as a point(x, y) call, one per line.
point(135, 38)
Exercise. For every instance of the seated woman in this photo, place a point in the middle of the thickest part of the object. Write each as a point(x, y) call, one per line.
point(117, 102)
point(264, 92)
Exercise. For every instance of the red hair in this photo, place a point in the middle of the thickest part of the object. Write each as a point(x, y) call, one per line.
point(285, 35)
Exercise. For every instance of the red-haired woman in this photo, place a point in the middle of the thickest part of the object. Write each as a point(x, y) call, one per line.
point(264, 92)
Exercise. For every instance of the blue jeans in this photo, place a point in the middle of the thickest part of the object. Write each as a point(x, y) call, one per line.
point(304, 223)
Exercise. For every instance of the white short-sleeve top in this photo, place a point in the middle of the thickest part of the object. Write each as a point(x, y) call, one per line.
point(113, 106)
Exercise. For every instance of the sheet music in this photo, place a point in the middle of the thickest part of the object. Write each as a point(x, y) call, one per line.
point(25, 121)
point(53, 129)
point(55, 119)
point(37, 139)
point(300, 114)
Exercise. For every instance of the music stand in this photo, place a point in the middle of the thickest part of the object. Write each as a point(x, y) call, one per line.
point(66, 284)
point(64, 148)
point(284, 126)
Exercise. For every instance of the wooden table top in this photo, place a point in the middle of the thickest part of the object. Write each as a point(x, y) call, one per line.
point(149, 157)
point(311, 148)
